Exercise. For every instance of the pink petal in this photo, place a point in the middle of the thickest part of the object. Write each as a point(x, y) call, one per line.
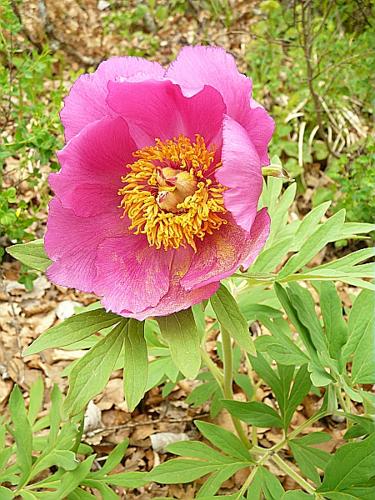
point(131, 274)
point(72, 243)
point(254, 243)
point(158, 109)
point(198, 66)
point(177, 298)
point(92, 165)
point(260, 127)
point(222, 253)
point(240, 173)
point(86, 101)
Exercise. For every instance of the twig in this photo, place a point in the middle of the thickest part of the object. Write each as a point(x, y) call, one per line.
point(307, 45)
point(133, 425)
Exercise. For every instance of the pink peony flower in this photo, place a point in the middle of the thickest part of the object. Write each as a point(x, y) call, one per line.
point(156, 200)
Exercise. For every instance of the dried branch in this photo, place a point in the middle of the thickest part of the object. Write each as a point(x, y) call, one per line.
point(307, 41)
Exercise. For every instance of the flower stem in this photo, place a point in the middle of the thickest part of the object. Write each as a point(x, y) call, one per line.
point(292, 473)
point(228, 382)
point(254, 436)
point(79, 433)
point(247, 483)
point(228, 364)
point(215, 371)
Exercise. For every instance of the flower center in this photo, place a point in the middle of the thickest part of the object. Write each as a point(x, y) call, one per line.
point(170, 193)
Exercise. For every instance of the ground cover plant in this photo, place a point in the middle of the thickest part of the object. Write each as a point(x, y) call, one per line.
point(295, 354)
point(263, 389)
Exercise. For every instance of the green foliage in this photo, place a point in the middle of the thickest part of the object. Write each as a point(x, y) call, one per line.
point(297, 351)
point(334, 353)
point(355, 181)
point(231, 318)
point(341, 59)
point(91, 373)
point(30, 129)
point(31, 254)
point(204, 459)
point(135, 363)
point(47, 459)
point(73, 330)
point(351, 468)
point(180, 332)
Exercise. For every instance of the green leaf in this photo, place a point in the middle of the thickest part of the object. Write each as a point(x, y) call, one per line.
point(253, 311)
point(22, 434)
point(326, 232)
point(29, 495)
point(280, 213)
point(70, 480)
point(288, 305)
point(231, 318)
point(300, 308)
point(106, 492)
point(304, 306)
point(72, 330)
point(213, 483)
point(353, 228)
point(272, 189)
point(280, 346)
point(310, 223)
point(360, 492)
point(114, 458)
point(283, 351)
point(181, 470)
point(91, 373)
point(315, 438)
point(128, 479)
point(5, 455)
point(202, 393)
point(200, 320)
point(286, 378)
point(265, 371)
point(180, 332)
point(156, 373)
point(254, 413)
point(31, 254)
point(225, 440)
point(296, 495)
point(55, 415)
point(363, 425)
point(309, 459)
point(361, 340)
point(135, 363)
point(244, 382)
point(80, 494)
point(348, 261)
point(335, 327)
point(352, 464)
point(269, 484)
point(61, 458)
point(6, 494)
point(36, 399)
point(197, 449)
point(300, 389)
point(268, 259)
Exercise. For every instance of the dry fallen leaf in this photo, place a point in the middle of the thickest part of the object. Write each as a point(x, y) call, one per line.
point(161, 440)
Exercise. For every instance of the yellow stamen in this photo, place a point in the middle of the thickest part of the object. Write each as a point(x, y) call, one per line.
point(171, 195)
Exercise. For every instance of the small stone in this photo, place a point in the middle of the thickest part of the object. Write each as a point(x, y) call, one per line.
point(66, 309)
point(161, 440)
